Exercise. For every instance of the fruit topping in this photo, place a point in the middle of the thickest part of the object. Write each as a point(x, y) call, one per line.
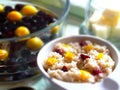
point(99, 56)
point(83, 43)
point(3, 54)
point(69, 56)
point(64, 69)
point(22, 31)
point(14, 16)
point(51, 61)
point(29, 10)
point(84, 75)
point(55, 29)
point(96, 71)
point(88, 47)
point(60, 51)
point(34, 43)
point(84, 56)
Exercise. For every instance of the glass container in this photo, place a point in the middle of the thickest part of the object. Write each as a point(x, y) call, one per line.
point(102, 19)
point(18, 53)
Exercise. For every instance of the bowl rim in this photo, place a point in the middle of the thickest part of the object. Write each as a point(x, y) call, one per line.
point(59, 82)
point(40, 32)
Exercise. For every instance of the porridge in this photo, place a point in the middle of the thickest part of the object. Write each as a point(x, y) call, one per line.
point(82, 61)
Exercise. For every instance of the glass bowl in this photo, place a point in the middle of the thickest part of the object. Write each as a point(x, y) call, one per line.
point(17, 55)
point(102, 20)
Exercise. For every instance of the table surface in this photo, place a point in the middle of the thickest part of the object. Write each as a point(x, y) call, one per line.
point(72, 26)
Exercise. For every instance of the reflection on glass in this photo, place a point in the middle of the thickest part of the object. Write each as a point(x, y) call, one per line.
point(102, 19)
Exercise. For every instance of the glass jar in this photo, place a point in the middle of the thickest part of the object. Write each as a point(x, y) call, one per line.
point(102, 19)
point(18, 50)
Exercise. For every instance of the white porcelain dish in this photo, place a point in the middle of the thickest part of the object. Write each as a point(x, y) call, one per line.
point(111, 82)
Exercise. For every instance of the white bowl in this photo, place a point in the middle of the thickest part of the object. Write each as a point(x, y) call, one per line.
point(113, 83)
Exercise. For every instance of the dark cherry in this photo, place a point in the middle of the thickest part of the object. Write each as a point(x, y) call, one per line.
point(12, 65)
point(18, 7)
point(26, 21)
point(22, 67)
point(49, 19)
point(7, 29)
point(17, 45)
point(2, 68)
point(2, 62)
point(21, 60)
point(15, 48)
point(41, 14)
point(32, 57)
point(8, 9)
point(25, 53)
point(32, 61)
point(2, 18)
point(11, 61)
point(12, 68)
point(7, 33)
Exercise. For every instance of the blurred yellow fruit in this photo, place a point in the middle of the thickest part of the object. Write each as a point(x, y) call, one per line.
point(88, 47)
point(51, 61)
point(29, 10)
point(99, 56)
point(34, 43)
point(14, 16)
point(69, 56)
point(84, 75)
point(22, 31)
point(55, 29)
point(1, 8)
point(3, 54)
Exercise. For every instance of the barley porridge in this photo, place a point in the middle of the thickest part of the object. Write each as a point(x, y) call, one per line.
point(82, 61)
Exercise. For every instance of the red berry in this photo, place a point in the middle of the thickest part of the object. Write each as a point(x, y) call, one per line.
point(64, 68)
point(83, 43)
point(60, 51)
point(96, 71)
point(84, 56)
